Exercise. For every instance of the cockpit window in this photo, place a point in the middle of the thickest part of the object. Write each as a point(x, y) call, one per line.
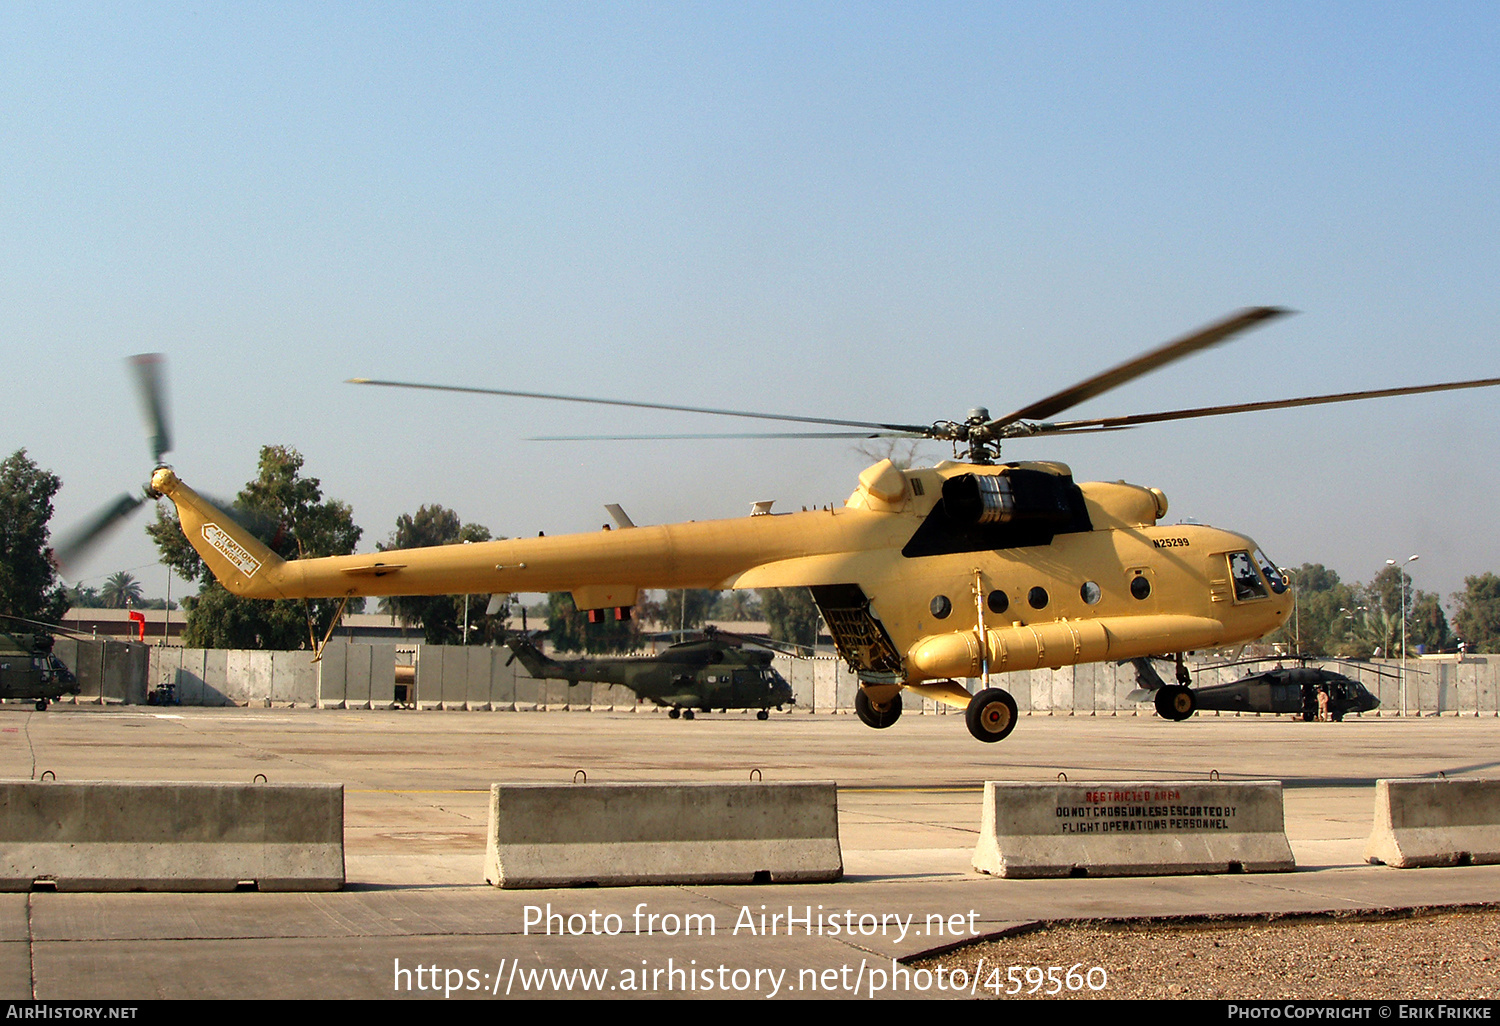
point(1247, 583)
point(1273, 575)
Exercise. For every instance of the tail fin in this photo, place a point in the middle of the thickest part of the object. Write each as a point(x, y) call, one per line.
point(237, 558)
point(538, 665)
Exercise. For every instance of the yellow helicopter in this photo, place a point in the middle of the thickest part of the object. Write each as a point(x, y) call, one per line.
point(969, 568)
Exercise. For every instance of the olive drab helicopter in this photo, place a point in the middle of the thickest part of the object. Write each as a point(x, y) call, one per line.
point(965, 569)
point(29, 670)
point(715, 671)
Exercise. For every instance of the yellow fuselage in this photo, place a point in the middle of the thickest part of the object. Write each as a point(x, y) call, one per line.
point(891, 554)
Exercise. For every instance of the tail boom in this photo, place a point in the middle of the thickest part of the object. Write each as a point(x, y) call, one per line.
point(606, 568)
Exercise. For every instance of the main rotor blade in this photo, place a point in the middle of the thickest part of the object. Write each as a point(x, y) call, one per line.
point(917, 428)
point(763, 434)
point(1132, 420)
point(1143, 364)
point(150, 384)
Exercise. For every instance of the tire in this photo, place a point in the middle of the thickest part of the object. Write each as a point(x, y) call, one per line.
point(764, 714)
point(41, 705)
point(878, 717)
point(674, 712)
point(991, 715)
point(687, 714)
point(1175, 702)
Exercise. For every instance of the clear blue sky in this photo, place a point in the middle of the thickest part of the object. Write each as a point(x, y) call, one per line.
point(872, 211)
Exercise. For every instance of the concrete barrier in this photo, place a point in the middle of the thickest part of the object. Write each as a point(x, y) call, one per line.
point(617, 835)
point(1152, 828)
point(1435, 823)
point(108, 836)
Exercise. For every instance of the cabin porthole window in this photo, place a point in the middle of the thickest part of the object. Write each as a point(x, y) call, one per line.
point(941, 607)
point(1090, 593)
point(1037, 597)
point(998, 601)
point(1140, 587)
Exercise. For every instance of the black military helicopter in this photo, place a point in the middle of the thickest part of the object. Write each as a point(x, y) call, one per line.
point(1282, 689)
point(29, 670)
point(715, 671)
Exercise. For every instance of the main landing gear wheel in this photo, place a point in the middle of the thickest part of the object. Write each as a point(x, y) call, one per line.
point(674, 712)
point(687, 714)
point(877, 716)
point(1175, 702)
point(991, 715)
point(41, 705)
point(764, 714)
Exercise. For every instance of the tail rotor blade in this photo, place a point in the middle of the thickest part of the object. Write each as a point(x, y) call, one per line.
point(150, 371)
point(78, 542)
point(267, 529)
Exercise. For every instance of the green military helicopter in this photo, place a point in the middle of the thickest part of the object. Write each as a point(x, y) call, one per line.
point(31, 672)
point(715, 671)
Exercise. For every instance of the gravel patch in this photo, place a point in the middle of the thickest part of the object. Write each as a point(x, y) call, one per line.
point(1414, 953)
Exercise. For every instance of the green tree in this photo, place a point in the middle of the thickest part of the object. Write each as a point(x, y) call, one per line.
point(1316, 626)
point(791, 615)
point(80, 597)
point(1426, 624)
point(1358, 631)
point(289, 512)
point(570, 630)
point(1477, 620)
point(120, 591)
point(1390, 593)
point(441, 617)
point(29, 587)
point(1335, 618)
point(685, 609)
point(737, 605)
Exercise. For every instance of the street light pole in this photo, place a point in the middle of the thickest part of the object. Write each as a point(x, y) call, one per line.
point(1296, 610)
point(466, 607)
point(1401, 583)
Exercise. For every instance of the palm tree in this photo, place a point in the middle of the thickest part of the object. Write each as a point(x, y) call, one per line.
point(120, 590)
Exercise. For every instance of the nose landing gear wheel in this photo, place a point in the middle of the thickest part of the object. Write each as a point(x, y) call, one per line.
point(991, 715)
point(877, 716)
point(764, 714)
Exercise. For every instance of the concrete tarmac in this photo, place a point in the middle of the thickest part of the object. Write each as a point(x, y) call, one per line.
point(417, 921)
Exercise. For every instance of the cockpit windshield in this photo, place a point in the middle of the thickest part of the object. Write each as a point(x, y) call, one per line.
point(1273, 575)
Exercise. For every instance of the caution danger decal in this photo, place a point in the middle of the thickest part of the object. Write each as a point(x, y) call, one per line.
point(231, 549)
